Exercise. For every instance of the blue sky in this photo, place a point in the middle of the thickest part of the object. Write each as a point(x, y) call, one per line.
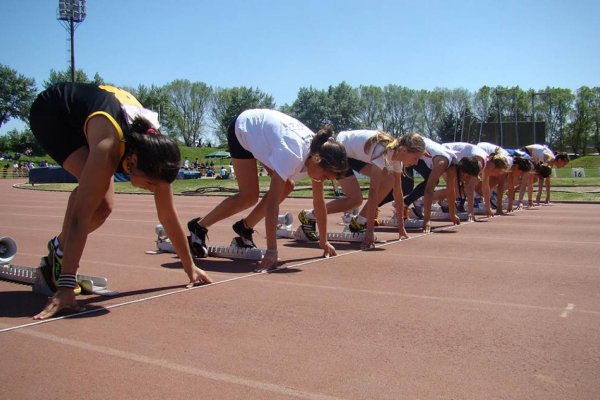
point(280, 46)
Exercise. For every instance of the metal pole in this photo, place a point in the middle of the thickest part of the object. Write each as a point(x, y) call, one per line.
point(533, 116)
point(516, 119)
point(72, 51)
point(500, 120)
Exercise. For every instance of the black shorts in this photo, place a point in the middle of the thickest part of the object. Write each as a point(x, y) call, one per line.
point(53, 128)
point(354, 165)
point(235, 148)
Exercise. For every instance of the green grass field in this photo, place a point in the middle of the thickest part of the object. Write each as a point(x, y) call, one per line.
point(210, 186)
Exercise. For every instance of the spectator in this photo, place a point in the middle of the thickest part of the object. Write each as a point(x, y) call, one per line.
point(223, 173)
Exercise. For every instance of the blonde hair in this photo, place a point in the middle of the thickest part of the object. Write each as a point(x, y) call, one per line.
point(499, 160)
point(413, 142)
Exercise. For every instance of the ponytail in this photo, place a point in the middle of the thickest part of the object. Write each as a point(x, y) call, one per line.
point(327, 153)
point(158, 156)
point(499, 160)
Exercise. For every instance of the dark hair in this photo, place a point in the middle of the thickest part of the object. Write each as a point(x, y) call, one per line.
point(522, 163)
point(158, 155)
point(469, 165)
point(562, 157)
point(327, 153)
point(543, 170)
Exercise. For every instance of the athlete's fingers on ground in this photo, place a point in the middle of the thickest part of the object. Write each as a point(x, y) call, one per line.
point(54, 306)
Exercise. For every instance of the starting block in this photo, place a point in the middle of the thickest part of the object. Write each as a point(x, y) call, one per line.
point(408, 223)
point(34, 277)
point(236, 252)
point(164, 245)
point(438, 214)
point(284, 226)
point(333, 236)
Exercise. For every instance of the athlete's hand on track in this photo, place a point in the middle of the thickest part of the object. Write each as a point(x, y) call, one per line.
point(402, 233)
point(63, 298)
point(328, 249)
point(269, 261)
point(198, 276)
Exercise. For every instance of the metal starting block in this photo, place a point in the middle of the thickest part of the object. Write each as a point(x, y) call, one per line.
point(164, 245)
point(234, 251)
point(34, 277)
point(412, 223)
point(333, 236)
point(444, 216)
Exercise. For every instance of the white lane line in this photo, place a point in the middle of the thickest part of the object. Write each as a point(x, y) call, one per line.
point(430, 297)
point(101, 309)
point(567, 310)
point(161, 363)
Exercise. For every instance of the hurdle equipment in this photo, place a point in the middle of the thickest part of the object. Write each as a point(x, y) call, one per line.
point(345, 236)
point(34, 277)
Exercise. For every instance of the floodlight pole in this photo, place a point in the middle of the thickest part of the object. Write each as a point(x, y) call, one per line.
point(70, 14)
point(499, 116)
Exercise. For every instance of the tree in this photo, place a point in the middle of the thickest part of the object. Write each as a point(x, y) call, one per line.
point(581, 126)
point(187, 110)
point(447, 129)
point(559, 108)
point(229, 103)
point(157, 99)
point(65, 76)
point(430, 109)
point(370, 107)
point(20, 141)
point(311, 107)
point(344, 104)
point(595, 116)
point(17, 92)
point(399, 115)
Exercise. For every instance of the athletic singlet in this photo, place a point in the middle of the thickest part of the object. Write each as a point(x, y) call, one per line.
point(540, 152)
point(60, 114)
point(354, 143)
point(434, 149)
point(463, 150)
point(490, 149)
point(277, 140)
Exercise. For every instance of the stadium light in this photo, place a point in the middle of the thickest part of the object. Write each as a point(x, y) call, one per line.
point(71, 13)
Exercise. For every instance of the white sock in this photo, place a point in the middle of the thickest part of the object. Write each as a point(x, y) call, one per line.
point(361, 219)
point(310, 214)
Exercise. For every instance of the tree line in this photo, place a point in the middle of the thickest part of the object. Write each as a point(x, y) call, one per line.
point(195, 113)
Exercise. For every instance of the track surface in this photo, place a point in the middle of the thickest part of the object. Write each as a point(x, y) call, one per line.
point(507, 308)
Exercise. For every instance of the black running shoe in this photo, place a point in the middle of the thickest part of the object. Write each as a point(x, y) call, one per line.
point(460, 205)
point(51, 267)
point(197, 238)
point(245, 234)
point(418, 211)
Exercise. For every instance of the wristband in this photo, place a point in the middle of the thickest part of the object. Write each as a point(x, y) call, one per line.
point(67, 281)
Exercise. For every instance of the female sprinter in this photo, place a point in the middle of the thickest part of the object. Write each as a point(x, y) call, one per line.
point(540, 153)
point(491, 165)
point(93, 131)
point(436, 162)
point(380, 157)
point(288, 150)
